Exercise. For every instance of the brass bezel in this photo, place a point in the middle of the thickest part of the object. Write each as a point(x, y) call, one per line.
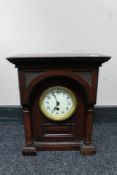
point(55, 117)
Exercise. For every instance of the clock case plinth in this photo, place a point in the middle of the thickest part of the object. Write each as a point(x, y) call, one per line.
point(79, 73)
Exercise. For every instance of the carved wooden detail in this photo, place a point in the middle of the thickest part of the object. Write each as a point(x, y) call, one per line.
point(29, 76)
point(87, 76)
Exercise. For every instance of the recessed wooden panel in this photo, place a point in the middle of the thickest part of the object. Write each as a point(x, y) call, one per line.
point(59, 131)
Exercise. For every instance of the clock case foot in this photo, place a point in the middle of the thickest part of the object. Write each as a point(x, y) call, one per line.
point(87, 150)
point(29, 151)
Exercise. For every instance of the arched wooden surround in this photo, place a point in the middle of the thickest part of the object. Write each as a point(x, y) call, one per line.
point(68, 130)
point(85, 88)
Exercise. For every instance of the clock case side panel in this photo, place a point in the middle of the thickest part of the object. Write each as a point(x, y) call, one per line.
point(21, 78)
point(29, 148)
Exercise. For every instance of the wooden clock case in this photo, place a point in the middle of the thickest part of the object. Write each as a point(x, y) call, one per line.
point(78, 72)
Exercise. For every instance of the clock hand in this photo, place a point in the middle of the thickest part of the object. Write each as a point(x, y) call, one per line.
point(57, 102)
point(56, 107)
point(55, 96)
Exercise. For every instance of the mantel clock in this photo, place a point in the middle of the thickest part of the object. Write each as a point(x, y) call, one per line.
point(58, 94)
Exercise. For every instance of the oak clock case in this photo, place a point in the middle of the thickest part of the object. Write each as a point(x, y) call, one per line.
point(58, 94)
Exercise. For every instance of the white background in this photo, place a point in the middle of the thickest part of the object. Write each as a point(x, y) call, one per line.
point(42, 26)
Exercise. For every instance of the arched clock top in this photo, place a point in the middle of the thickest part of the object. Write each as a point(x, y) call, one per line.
point(76, 80)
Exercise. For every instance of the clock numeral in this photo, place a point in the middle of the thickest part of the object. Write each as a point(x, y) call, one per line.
point(48, 97)
point(48, 107)
point(57, 113)
point(53, 93)
point(58, 92)
point(47, 102)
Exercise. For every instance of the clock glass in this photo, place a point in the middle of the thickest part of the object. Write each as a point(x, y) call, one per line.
point(57, 103)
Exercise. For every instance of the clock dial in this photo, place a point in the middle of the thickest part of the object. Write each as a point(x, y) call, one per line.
point(57, 103)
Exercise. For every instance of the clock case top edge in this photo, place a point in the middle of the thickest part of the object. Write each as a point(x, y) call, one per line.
point(54, 59)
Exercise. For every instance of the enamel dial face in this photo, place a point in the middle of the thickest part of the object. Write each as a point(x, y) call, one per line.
point(57, 103)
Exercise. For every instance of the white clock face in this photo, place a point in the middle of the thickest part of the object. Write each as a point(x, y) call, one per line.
point(58, 103)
